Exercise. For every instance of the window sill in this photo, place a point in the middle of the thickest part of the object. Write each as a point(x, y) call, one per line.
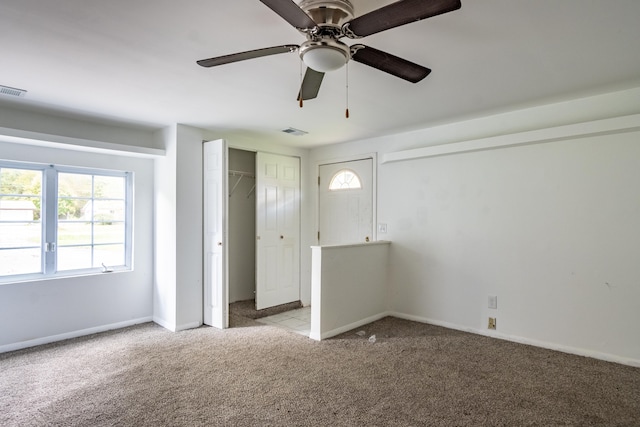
point(79, 274)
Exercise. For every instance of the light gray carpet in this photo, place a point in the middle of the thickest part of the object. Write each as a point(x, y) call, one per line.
point(258, 375)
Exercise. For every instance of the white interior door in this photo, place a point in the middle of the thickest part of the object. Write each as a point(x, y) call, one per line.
point(277, 230)
point(345, 202)
point(216, 306)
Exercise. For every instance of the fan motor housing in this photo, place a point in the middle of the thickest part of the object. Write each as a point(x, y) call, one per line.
point(332, 13)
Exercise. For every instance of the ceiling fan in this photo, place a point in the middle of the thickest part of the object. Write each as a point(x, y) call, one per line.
point(325, 22)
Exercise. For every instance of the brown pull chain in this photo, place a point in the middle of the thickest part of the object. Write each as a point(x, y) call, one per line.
point(301, 81)
point(346, 112)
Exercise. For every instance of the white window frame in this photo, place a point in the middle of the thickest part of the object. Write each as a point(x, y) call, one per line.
point(49, 220)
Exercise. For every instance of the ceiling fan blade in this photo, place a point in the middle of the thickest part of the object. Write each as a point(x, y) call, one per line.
point(291, 12)
point(396, 14)
point(310, 84)
point(388, 63)
point(241, 56)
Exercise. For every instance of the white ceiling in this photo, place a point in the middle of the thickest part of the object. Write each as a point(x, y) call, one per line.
point(134, 61)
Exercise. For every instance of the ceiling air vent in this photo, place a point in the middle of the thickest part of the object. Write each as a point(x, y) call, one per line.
point(12, 91)
point(294, 131)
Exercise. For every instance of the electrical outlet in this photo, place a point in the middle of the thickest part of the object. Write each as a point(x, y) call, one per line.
point(492, 323)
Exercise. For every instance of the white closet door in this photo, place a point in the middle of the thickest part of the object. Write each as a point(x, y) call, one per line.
point(277, 229)
point(216, 306)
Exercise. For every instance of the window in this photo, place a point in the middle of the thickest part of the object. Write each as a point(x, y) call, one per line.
point(345, 179)
point(57, 221)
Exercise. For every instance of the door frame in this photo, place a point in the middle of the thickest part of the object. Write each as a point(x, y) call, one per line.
point(374, 183)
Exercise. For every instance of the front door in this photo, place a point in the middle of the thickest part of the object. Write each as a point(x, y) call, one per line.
point(346, 202)
point(277, 230)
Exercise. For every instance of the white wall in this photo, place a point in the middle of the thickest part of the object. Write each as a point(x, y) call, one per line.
point(177, 296)
point(552, 229)
point(165, 246)
point(53, 123)
point(189, 228)
point(37, 312)
point(349, 287)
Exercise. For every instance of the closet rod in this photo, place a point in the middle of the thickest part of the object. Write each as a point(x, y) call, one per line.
point(241, 173)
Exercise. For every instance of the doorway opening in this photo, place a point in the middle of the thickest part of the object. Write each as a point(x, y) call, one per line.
point(242, 225)
point(243, 239)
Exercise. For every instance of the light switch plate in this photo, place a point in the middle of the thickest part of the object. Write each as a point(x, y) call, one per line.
point(493, 301)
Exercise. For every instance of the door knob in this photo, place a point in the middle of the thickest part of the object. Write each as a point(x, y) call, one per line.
point(219, 243)
point(366, 239)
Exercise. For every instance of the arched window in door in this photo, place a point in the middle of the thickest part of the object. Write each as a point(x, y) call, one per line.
point(345, 179)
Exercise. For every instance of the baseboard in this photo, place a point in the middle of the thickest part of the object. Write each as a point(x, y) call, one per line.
point(349, 327)
point(173, 327)
point(186, 326)
point(522, 340)
point(164, 323)
point(75, 334)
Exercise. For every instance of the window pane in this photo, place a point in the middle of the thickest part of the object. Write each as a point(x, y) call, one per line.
point(20, 226)
point(75, 185)
point(20, 235)
point(109, 187)
point(15, 208)
point(345, 180)
point(108, 232)
point(20, 181)
point(91, 211)
point(74, 209)
point(74, 258)
point(74, 233)
point(109, 255)
point(108, 210)
point(20, 261)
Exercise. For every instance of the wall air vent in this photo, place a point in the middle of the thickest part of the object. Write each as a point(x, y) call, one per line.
point(12, 91)
point(294, 131)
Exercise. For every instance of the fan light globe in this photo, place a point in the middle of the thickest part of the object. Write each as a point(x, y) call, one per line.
point(324, 59)
point(324, 55)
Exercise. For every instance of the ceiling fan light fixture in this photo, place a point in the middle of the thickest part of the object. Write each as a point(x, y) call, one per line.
point(324, 55)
